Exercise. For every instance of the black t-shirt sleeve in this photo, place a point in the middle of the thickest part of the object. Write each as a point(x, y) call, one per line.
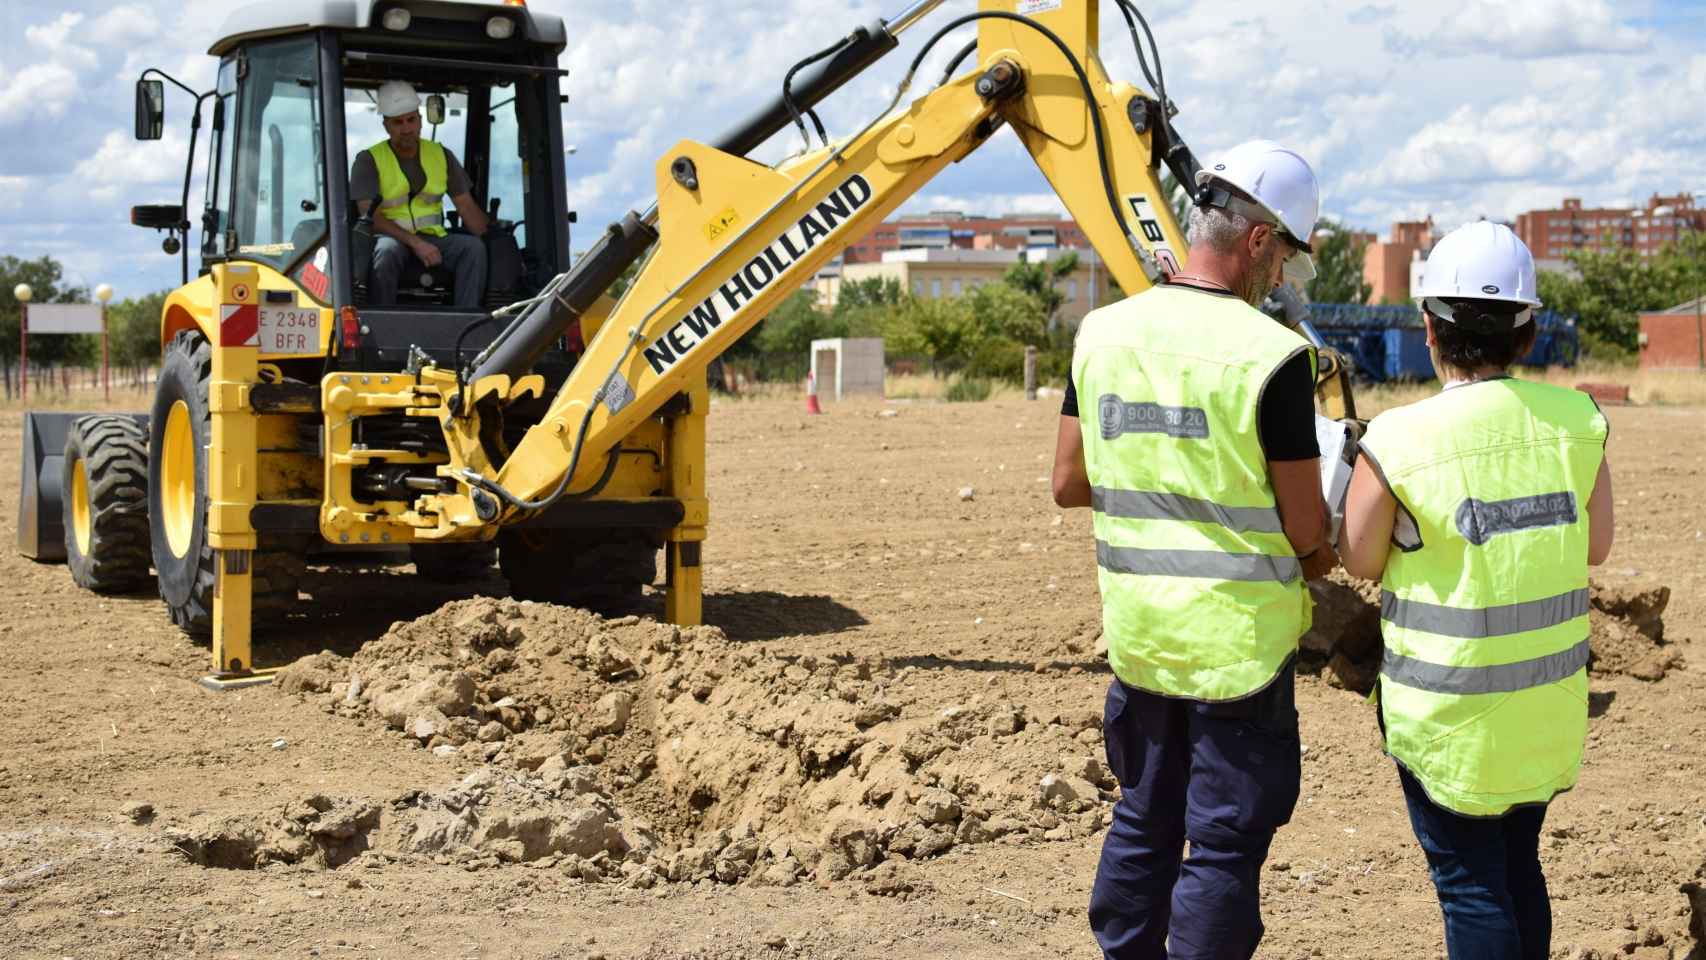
point(1069, 406)
point(457, 181)
point(1285, 414)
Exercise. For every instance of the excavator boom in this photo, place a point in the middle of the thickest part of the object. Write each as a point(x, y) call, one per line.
point(735, 237)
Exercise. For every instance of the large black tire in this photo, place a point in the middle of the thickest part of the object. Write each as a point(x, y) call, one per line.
point(183, 558)
point(105, 492)
point(596, 569)
point(453, 562)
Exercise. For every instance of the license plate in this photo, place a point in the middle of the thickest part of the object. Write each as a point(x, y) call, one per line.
point(290, 330)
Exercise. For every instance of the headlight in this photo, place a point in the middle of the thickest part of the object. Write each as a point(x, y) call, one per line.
point(500, 28)
point(397, 18)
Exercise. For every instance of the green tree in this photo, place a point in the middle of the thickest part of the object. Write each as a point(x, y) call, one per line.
point(1613, 287)
point(1008, 313)
point(47, 285)
point(792, 327)
point(1338, 266)
point(133, 330)
point(869, 292)
point(1039, 279)
point(868, 307)
point(944, 329)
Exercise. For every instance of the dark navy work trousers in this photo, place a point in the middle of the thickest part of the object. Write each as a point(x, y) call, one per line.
point(1223, 776)
point(1486, 871)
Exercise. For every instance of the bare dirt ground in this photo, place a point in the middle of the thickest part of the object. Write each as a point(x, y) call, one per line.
point(886, 745)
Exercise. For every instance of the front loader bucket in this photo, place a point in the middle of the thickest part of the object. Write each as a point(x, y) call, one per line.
point(41, 515)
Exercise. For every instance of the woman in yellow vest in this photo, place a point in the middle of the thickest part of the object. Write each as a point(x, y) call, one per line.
point(1480, 510)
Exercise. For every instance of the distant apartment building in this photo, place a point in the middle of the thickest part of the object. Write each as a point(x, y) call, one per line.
point(952, 230)
point(1391, 266)
point(1552, 234)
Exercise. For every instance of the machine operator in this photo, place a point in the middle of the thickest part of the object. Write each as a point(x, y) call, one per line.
point(409, 177)
point(1198, 455)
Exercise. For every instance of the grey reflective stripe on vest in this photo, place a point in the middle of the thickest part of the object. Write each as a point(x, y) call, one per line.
point(1207, 564)
point(1502, 678)
point(1144, 505)
point(1486, 621)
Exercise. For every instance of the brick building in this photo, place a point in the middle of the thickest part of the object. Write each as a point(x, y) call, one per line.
point(952, 230)
point(1675, 339)
point(1551, 234)
point(1390, 266)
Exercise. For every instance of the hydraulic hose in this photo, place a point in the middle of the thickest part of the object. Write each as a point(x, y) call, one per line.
point(1114, 204)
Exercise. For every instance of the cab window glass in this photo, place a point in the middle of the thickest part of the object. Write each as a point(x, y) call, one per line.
point(216, 213)
point(280, 182)
point(508, 180)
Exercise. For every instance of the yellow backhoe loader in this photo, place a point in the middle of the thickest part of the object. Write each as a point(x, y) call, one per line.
point(293, 416)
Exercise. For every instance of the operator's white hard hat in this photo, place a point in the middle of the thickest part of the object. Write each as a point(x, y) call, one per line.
point(1284, 187)
point(1482, 261)
point(397, 98)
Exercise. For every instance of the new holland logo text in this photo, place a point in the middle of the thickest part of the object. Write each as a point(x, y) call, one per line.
point(733, 294)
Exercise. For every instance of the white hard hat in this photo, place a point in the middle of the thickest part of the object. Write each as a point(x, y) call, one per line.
point(1482, 261)
point(397, 97)
point(1283, 186)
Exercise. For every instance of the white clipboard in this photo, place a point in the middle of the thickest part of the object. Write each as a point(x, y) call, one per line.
point(1337, 453)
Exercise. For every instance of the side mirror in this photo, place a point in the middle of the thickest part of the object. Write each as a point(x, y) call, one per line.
point(158, 216)
point(150, 109)
point(435, 109)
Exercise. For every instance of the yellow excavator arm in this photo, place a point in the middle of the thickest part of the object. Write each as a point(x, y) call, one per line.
point(735, 237)
point(729, 238)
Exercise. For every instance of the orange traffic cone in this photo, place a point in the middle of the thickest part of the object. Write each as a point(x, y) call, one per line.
point(812, 406)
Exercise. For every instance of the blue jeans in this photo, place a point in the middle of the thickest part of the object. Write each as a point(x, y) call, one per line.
point(1486, 871)
point(1223, 776)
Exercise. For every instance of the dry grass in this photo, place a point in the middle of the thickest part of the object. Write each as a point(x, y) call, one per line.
point(917, 386)
point(134, 399)
point(1685, 388)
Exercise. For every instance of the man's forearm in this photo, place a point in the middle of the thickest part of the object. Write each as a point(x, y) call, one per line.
point(472, 216)
point(385, 226)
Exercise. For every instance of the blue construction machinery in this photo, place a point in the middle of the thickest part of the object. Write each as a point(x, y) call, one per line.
point(1389, 343)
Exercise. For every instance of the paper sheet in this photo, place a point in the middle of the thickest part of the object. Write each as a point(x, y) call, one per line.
point(1334, 438)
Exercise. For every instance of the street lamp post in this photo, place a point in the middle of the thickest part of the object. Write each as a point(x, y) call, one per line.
point(1700, 325)
point(103, 293)
point(23, 292)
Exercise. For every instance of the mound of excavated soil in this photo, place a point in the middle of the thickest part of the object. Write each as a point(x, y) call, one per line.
point(637, 749)
point(1626, 632)
point(634, 750)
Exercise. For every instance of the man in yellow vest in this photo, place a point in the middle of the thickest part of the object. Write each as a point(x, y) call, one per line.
point(1479, 510)
point(408, 178)
point(1199, 458)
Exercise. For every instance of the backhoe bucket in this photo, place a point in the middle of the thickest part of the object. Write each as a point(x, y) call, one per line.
point(41, 515)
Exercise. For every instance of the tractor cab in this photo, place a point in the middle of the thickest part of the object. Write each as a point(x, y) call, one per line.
point(294, 107)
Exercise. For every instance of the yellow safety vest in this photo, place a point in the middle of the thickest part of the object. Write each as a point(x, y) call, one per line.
point(424, 212)
point(1202, 594)
point(1484, 607)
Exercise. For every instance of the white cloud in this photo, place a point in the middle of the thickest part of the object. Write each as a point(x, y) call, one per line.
point(39, 90)
point(1538, 28)
point(123, 25)
point(1504, 106)
point(123, 163)
point(987, 204)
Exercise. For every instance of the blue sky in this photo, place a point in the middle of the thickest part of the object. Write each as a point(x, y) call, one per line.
point(1458, 108)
